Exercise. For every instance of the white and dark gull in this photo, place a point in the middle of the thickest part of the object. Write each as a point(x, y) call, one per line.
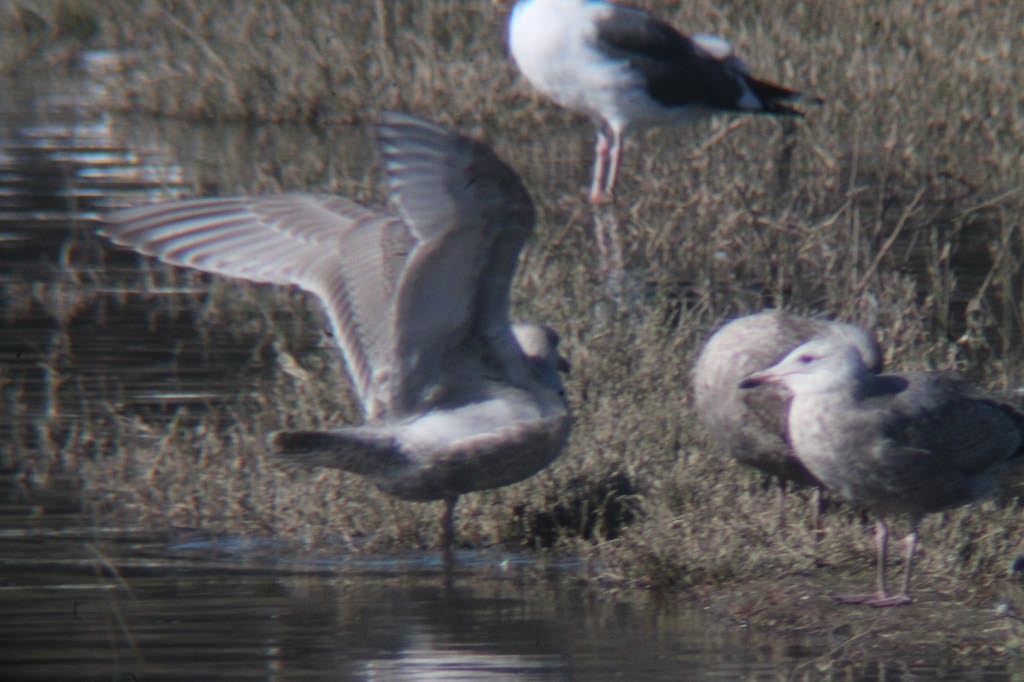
point(456, 398)
point(628, 70)
point(895, 444)
point(750, 426)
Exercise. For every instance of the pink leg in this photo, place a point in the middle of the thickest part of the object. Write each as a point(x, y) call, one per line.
point(596, 195)
point(881, 596)
point(613, 164)
point(882, 551)
point(910, 546)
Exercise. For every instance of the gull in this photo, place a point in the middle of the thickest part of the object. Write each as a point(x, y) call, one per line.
point(456, 397)
point(750, 426)
point(628, 70)
point(895, 444)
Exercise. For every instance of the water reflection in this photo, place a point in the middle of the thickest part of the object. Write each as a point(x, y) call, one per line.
point(81, 603)
point(608, 235)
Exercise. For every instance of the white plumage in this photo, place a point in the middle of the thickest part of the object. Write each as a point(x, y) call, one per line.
point(627, 70)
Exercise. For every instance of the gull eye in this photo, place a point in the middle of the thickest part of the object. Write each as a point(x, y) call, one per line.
point(805, 359)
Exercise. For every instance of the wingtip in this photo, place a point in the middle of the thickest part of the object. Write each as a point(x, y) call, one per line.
point(782, 106)
point(393, 125)
point(776, 99)
point(113, 224)
point(389, 120)
point(404, 138)
point(807, 99)
point(295, 444)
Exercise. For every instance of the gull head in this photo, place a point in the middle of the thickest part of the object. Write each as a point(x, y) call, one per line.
point(823, 364)
point(539, 344)
point(865, 343)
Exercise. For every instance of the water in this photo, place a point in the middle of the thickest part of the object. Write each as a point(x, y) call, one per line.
point(81, 603)
point(81, 600)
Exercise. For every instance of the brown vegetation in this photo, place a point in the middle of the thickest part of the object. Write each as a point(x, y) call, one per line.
point(897, 205)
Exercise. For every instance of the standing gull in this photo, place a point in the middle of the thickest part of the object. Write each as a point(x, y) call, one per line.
point(628, 70)
point(896, 444)
point(456, 398)
point(751, 425)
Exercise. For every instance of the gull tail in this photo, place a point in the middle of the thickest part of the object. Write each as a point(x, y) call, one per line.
point(359, 450)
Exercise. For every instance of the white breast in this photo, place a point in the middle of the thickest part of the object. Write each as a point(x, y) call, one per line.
point(554, 45)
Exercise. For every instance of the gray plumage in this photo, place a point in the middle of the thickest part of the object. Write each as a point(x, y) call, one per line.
point(750, 426)
point(897, 444)
point(456, 398)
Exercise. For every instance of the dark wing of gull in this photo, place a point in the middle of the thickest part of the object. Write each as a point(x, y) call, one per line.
point(921, 442)
point(965, 431)
point(472, 215)
point(680, 70)
point(347, 255)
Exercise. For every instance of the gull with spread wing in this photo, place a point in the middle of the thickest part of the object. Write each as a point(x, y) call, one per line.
point(456, 397)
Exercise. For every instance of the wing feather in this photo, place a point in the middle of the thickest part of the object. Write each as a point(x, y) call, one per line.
point(292, 240)
point(472, 214)
point(963, 429)
point(413, 297)
point(679, 70)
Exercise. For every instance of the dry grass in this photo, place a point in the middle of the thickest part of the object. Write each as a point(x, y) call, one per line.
point(898, 205)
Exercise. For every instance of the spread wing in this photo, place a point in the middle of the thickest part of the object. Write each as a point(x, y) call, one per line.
point(408, 295)
point(348, 256)
point(472, 215)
